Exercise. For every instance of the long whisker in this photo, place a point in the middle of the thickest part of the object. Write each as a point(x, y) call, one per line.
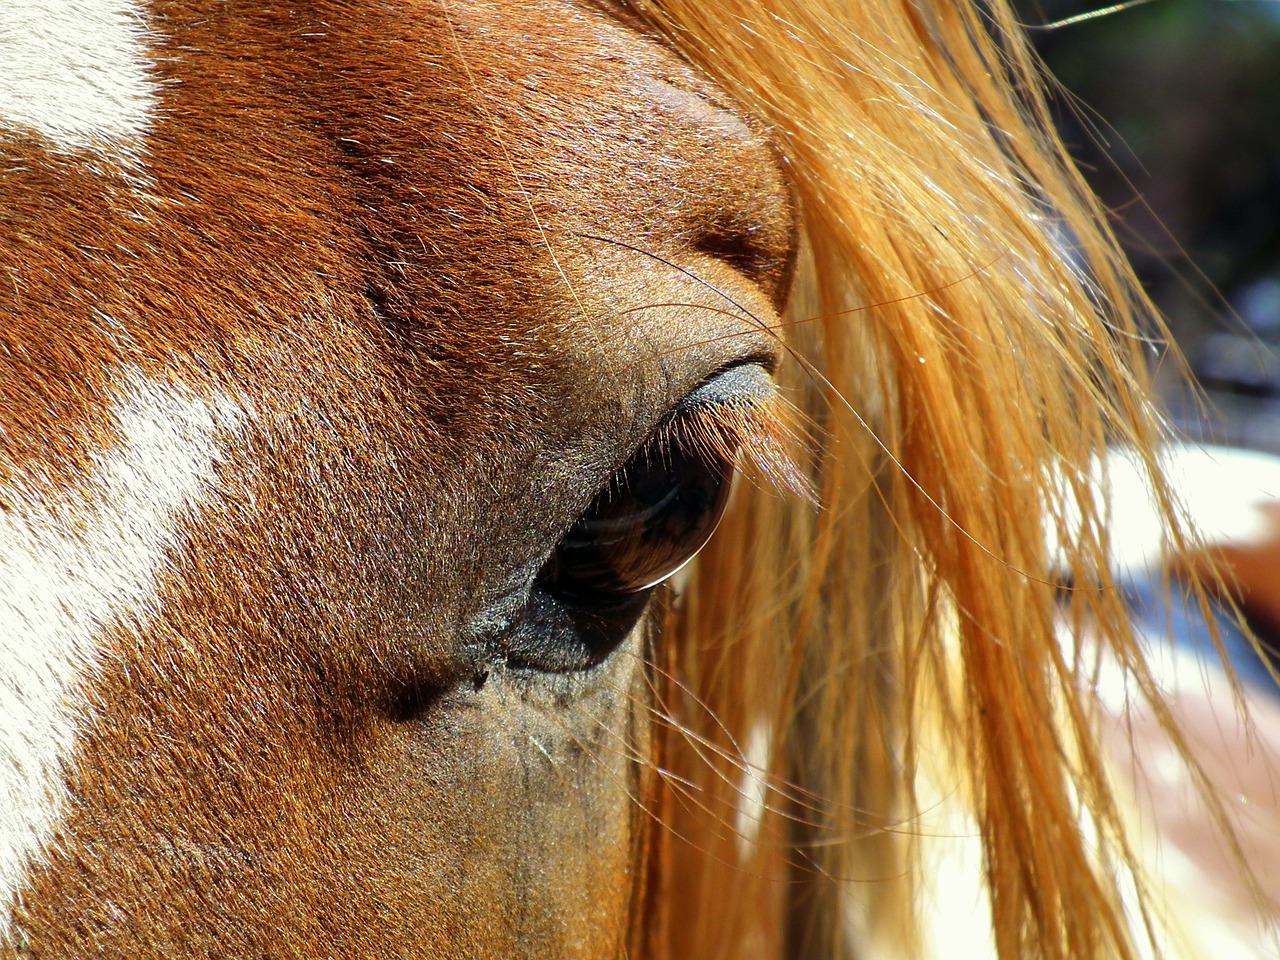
point(833, 391)
point(812, 370)
point(692, 800)
point(512, 168)
point(816, 318)
point(706, 749)
point(1086, 16)
point(679, 269)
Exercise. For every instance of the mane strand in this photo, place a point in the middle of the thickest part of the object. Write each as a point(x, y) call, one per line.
point(919, 662)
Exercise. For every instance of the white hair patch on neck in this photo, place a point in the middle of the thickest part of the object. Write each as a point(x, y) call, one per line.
point(77, 73)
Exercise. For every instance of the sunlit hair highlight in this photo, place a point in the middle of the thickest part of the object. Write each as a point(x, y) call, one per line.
point(972, 342)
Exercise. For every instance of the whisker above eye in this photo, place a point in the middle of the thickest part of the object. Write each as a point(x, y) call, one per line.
point(800, 321)
point(679, 269)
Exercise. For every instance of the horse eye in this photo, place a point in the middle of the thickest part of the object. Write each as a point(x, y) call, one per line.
point(648, 522)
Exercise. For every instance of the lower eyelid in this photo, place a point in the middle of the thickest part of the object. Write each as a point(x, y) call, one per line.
point(553, 636)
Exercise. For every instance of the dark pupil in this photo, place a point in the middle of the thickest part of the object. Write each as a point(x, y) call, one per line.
point(654, 515)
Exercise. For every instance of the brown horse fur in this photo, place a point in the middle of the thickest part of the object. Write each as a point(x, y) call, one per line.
point(401, 285)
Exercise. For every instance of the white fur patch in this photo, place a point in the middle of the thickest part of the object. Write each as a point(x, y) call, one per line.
point(66, 578)
point(76, 72)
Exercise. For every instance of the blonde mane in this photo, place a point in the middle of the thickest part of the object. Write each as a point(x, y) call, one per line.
point(967, 340)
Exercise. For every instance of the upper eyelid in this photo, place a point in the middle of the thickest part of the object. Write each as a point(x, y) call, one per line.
point(740, 412)
point(748, 377)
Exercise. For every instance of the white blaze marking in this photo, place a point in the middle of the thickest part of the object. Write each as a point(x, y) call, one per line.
point(66, 579)
point(76, 72)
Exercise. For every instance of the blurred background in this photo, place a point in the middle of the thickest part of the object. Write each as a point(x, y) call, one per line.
point(1172, 110)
